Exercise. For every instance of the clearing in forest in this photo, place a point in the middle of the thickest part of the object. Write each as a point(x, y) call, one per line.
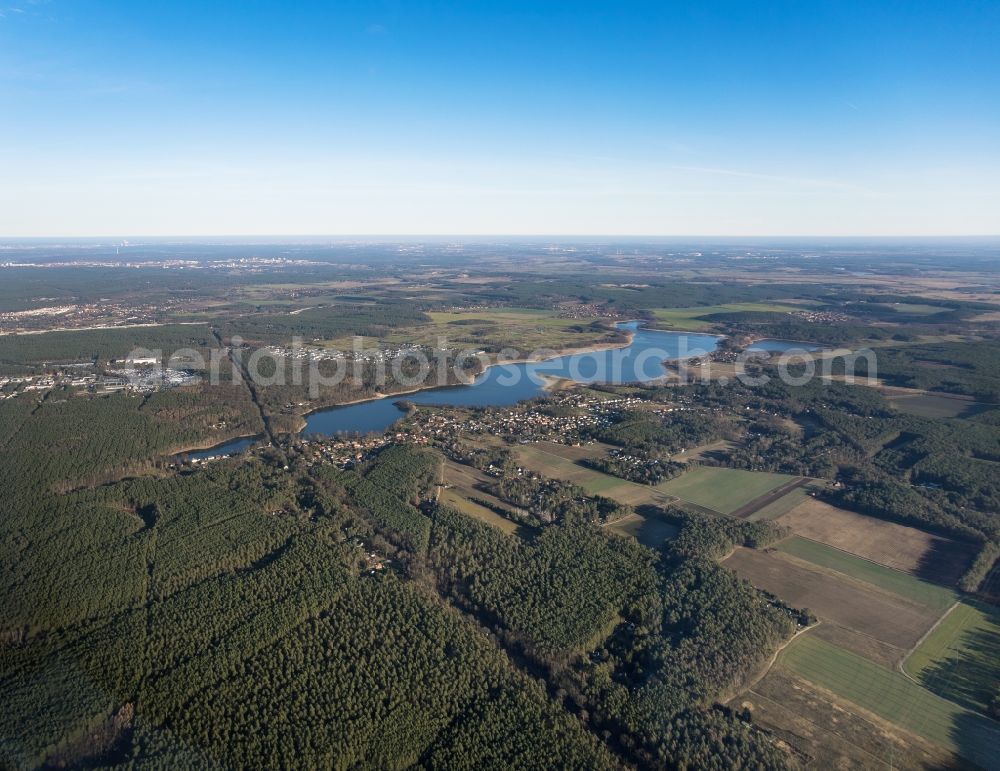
point(649, 531)
point(460, 503)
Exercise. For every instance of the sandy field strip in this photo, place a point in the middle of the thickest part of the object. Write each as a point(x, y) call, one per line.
point(893, 545)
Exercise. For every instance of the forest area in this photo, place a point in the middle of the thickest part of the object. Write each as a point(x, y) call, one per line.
point(271, 565)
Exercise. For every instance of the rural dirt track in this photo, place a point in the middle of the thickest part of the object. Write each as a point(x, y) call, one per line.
point(774, 657)
point(767, 498)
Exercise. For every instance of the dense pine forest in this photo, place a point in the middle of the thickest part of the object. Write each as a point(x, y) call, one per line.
point(228, 616)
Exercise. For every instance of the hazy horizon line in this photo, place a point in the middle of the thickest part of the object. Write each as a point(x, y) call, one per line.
point(425, 236)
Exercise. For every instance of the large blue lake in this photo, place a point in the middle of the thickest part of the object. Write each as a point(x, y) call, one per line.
point(508, 384)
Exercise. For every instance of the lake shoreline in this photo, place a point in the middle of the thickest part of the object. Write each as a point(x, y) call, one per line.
point(634, 334)
point(550, 383)
point(215, 444)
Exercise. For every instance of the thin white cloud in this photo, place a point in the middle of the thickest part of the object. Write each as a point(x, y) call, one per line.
point(23, 8)
point(828, 184)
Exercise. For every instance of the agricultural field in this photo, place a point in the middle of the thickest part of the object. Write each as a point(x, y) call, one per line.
point(773, 499)
point(550, 459)
point(560, 462)
point(960, 658)
point(917, 309)
point(835, 598)
point(862, 644)
point(819, 725)
point(524, 329)
point(908, 549)
point(785, 503)
point(596, 393)
point(575, 453)
point(894, 697)
point(903, 584)
point(723, 490)
point(837, 691)
point(691, 318)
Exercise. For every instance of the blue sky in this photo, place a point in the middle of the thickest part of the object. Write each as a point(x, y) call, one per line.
point(726, 118)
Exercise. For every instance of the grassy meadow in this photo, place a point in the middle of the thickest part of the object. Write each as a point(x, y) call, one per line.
point(722, 489)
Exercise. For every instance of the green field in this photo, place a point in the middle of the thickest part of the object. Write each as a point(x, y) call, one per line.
point(895, 581)
point(917, 309)
point(894, 697)
point(523, 329)
point(722, 489)
point(690, 318)
point(500, 315)
point(510, 320)
point(960, 658)
point(599, 483)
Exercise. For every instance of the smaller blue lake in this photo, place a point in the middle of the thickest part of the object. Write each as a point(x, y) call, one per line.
point(506, 384)
point(231, 447)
